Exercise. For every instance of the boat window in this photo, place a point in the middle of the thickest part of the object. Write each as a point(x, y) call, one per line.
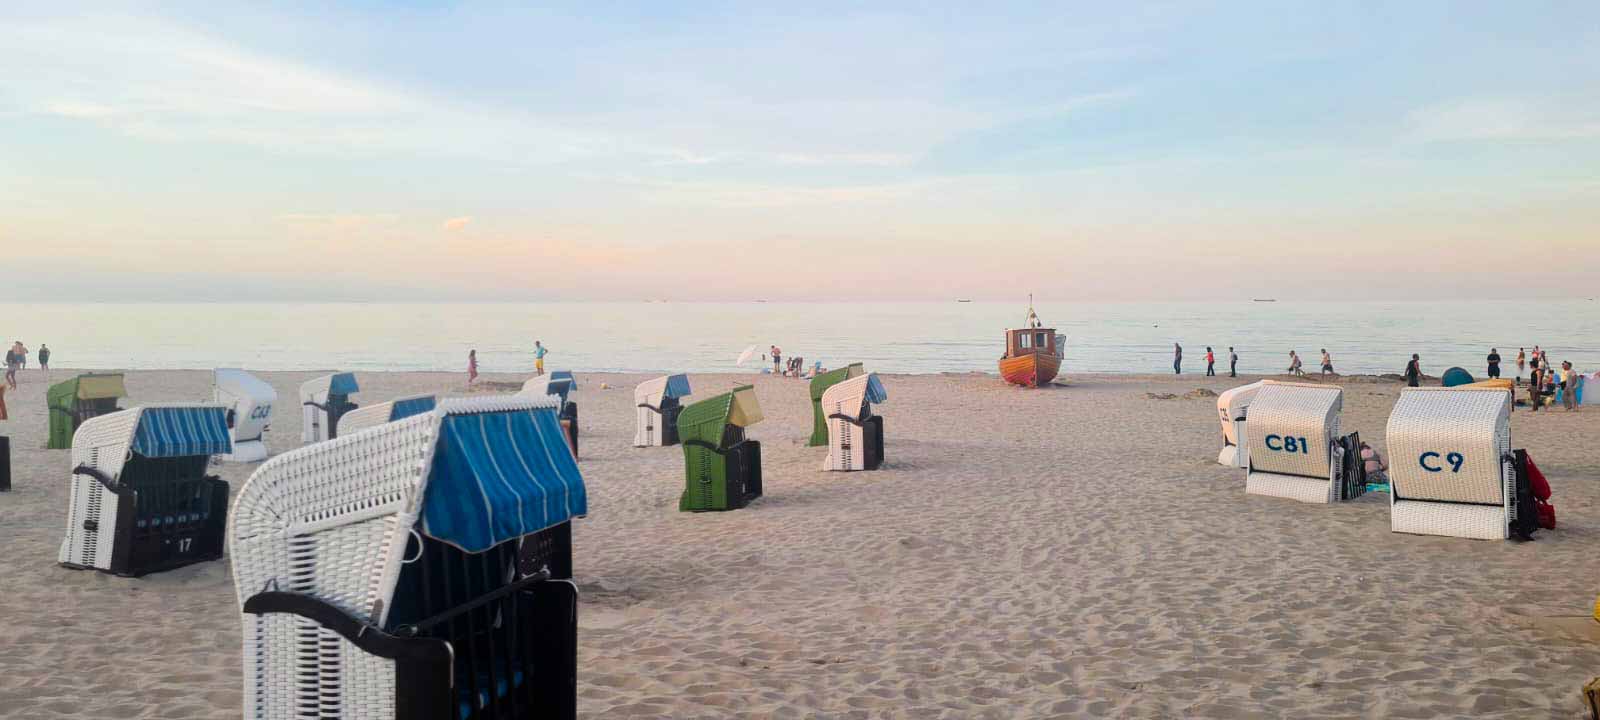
point(1027, 340)
point(1038, 339)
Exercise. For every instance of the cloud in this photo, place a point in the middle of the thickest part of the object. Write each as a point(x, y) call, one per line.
point(1501, 119)
point(457, 223)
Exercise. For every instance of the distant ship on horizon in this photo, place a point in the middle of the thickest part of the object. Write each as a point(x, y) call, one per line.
point(1263, 300)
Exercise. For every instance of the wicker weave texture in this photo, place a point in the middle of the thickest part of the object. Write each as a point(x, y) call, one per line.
point(1291, 428)
point(1479, 522)
point(1450, 445)
point(846, 440)
point(649, 393)
point(1293, 487)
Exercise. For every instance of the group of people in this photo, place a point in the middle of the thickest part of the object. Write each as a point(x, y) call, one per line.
point(1295, 366)
point(17, 359)
point(1544, 380)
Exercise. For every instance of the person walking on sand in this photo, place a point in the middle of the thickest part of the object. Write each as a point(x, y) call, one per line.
point(1177, 359)
point(1414, 371)
point(44, 359)
point(1211, 363)
point(1233, 362)
point(1522, 363)
point(1569, 387)
point(1295, 365)
point(472, 366)
point(22, 355)
point(539, 352)
point(1494, 363)
point(13, 360)
point(1327, 362)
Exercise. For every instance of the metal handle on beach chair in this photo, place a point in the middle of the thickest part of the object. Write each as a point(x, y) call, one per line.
point(102, 478)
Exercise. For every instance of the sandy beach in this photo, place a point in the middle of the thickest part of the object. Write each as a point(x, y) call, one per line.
point(1068, 552)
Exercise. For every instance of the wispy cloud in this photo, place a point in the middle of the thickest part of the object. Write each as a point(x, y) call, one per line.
point(457, 223)
point(1501, 119)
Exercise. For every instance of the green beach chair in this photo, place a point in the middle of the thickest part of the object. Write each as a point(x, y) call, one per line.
point(820, 385)
point(73, 401)
point(722, 468)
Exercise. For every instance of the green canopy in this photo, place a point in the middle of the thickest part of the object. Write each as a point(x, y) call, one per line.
point(820, 385)
point(72, 401)
point(709, 460)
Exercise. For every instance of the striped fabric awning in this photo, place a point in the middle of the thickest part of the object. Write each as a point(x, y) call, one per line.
point(498, 476)
point(343, 384)
point(677, 386)
point(182, 431)
point(875, 392)
point(406, 407)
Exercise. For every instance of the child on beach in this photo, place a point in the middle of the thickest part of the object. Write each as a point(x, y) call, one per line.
point(1522, 363)
point(1327, 362)
point(472, 366)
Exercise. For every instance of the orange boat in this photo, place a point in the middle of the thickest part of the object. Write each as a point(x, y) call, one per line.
point(1033, 354)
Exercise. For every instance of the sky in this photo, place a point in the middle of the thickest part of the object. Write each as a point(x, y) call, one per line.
point(389, 151)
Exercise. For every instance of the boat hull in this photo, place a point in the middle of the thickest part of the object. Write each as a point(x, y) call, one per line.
point(1030, 370)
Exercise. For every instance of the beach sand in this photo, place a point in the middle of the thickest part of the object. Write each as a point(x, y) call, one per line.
point(1072, 551)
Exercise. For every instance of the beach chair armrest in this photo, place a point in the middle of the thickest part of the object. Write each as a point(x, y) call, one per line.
point(848, 419)
point(316, 405)
point(101, 478)
point(650, 407)
point(706, 445)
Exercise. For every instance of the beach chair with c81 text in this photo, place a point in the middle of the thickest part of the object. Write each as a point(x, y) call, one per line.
point(1294, 446)
point(387, 574)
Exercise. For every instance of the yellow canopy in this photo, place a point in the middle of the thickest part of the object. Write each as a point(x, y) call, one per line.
point(91, 387)
point(746, 411)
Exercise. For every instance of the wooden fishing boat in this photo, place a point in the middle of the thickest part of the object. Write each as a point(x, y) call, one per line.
point(1033, 353)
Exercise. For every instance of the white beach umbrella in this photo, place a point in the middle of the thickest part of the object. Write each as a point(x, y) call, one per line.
point(748, 354)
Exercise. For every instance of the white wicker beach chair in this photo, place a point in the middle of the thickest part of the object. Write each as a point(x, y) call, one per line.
point(397, 409)
point(1295, 449)
point(140, 499)
point(386, 573)
point(1232, 408)
point(855, 434)
point(1451, 470)
point(249, 401)
point(559, 383)
point(659, 401)
point(323, 401)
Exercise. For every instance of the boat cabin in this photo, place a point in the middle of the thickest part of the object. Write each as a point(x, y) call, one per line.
point(1027, 341)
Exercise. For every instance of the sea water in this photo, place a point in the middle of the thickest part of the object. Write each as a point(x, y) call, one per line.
point(918, 337)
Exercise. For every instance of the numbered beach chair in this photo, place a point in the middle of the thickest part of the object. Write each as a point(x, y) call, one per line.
point(722, 466)
point(141, 500)
point(855, 433)
point(1452, 471)
point(378, 573)
point(1233, 407)
point(380, 413)
point(658, 405)
point(249, 402)
point(820, 385)
point(323, 401)
point(559, 383)
point(1295, 448)
point(71, 402)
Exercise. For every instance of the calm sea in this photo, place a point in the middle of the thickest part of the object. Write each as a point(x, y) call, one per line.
point(1364, 337)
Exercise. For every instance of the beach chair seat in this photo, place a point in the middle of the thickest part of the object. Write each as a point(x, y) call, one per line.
point(1233, 407)
point(323, 401)
point(1452, 471)
point(140, 498)
point(658, 404)
point(72, 402)
point(722, 466)
point(559, 383)
point(855, 433)
point(379, 413)
point(820, 385)
point(419, 569)
point(1294, 447)
point(249, 402)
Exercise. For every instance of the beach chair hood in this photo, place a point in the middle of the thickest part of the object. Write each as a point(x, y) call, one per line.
point(69, 400)
point(249, 400)
point(380, 413)
point(549, 385)
point(706, 420)
point(820, 385)
point(652, 392)
point(855, 433)
point(853, 398)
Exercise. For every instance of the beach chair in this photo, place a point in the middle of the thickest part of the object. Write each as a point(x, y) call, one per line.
point(249, 401)
point(380, 413)
point(855, 434)
point(71, 402)
point(658, 404)
point(323, 401)
point(820, 385)
point(722, 467)
point(1294, 447)
point(1232, 408)
point(559, 383)
point(140, 498)
point(1452, 471)
point(380, 575)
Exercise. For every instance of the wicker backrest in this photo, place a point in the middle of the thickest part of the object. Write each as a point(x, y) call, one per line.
point(1448, 444)
point(1292, 427)
point(1231, 405)
point(853, 398)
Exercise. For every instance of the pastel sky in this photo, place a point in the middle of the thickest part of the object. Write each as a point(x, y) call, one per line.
point(725, 151)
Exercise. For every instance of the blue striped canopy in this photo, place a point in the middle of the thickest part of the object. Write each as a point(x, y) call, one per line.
point(406, 407)
point(181, 431)
point(559, 388)
point(875, 392)
point(498, 476)
point(343, 384)
point(677, 386)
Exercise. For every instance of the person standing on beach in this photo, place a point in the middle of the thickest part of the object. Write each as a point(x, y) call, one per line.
point(1327, 362)
point(1294, 364)
point(1414, 371)
point(1177, 359)
point(539, 352)
point(1535, 387)
point(13, 360)
point(1522, 363)
point(44, 360)
point(22, 355)
point(777, 360)
point(1494, 362)
point(1569, 387)
point(472, 366)
point(1233, 362)
point(1211, 363)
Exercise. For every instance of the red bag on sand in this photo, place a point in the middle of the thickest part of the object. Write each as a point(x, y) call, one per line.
point(1547, 515)
point(1541, 487)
